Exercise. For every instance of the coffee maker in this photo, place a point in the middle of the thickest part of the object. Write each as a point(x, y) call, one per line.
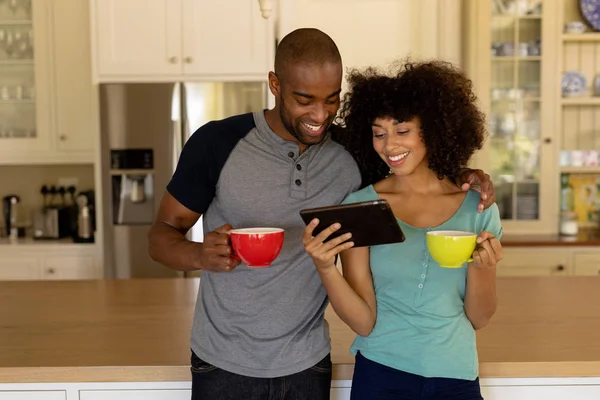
point(11, 212)
point(86, 217)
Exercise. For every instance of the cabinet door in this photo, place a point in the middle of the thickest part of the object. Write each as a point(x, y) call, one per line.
point(25, 84)
point(554, 392)
point(586, 264)
point(139, 38)
point(167, 394)
point(231, 45)
point(514, 78)
point(340, 394)
point(69, 267)
point(73, 76)
point(33, 395)
point(19, 269)
point(534, 261)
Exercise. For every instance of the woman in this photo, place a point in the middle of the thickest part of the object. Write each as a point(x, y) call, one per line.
point(412, 133)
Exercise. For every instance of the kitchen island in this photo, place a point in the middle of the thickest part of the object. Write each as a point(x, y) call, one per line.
point(99, 339)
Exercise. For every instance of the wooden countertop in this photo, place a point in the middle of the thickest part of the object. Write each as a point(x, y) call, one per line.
point(585, 237)
point(138, 330)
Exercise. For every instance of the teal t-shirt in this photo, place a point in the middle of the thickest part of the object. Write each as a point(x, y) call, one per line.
point(421, 326)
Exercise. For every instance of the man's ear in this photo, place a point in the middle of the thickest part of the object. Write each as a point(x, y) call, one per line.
point(274, 84)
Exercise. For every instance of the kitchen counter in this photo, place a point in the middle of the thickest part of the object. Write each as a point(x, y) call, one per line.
point(138, 330)
point(585, 237)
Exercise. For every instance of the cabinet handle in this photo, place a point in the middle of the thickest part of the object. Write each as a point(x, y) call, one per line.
point(63, 137)
point(173, 60)
point(560, 268)
point(188, 60)
point(548, 140)
point(50, 270)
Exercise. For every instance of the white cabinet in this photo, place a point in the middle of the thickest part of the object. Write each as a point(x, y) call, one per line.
point(534, 261)
point(49, 262)
point(137, 37)
point(13, 268)
point(33, 395)
point(579, 392)
point(75, 130)
point(586, 264)
point(45, 87)
point(166, 394)
point(340, 394)
point(163, 40)
point(550, 261)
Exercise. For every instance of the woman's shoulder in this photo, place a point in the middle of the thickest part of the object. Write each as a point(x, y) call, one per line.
point(489, 219)
point(365, 194)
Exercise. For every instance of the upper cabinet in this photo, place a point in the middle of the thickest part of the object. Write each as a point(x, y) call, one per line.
point(512, 58)
point(163, 40)
point(45, 83)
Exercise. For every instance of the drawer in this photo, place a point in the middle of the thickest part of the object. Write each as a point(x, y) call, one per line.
point(33, 395)
point(19, 268)
point(586, 264)
point(155, 394)
point(534, 261)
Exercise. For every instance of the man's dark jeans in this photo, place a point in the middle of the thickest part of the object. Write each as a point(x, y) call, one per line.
point(212, 383)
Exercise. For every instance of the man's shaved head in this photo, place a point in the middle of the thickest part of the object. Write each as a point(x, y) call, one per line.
point(306, 83)
point(305, 46)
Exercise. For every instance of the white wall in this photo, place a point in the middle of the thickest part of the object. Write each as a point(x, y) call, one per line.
point(375, 32)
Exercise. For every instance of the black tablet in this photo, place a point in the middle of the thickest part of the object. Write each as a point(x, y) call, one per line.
point(370, 222)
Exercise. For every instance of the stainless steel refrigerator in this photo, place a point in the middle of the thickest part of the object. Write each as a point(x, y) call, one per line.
point(160, 117)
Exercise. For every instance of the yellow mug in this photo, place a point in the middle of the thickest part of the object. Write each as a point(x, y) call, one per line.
point(451, 249)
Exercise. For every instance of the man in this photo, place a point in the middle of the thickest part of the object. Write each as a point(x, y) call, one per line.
point(260, 334)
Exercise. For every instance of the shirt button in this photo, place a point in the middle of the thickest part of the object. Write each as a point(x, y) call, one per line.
point(420, 286)
point(291, 154)
point(423, 276)
point(298, 182)
point(298, 167)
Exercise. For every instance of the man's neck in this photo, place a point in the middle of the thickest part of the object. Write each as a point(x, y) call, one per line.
point(276, 124)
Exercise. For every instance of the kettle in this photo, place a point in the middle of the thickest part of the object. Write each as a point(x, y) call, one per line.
point(11, 213)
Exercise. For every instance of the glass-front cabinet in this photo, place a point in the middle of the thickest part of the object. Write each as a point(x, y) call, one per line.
point(25, 104)
point(508, 61)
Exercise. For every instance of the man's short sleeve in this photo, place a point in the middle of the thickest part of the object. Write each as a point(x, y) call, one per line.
point(203, 156)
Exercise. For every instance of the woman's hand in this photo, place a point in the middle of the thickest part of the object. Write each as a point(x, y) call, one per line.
point(323, 254)
point(488, 251)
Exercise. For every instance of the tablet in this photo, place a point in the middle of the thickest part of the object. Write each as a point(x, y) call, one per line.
point(370, 222)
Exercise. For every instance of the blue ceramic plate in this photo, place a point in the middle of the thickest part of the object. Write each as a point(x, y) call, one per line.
point(590, 10)
point(573, 84)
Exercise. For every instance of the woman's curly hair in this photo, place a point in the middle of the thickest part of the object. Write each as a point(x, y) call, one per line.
point(436, 92)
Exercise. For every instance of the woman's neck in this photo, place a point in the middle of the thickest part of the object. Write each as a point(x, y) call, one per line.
point(422, 181)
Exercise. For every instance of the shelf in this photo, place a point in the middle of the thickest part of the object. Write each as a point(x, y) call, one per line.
point(524, 99)
point(580, 101)
point(16, 62)
point(512, 16)
point(13, 102)
point(131, 171)
point(580, 170)
point(512, 58)
point(5, 22)
point(581, 37)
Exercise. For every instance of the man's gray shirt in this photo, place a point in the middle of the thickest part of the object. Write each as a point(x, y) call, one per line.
point(261, 322)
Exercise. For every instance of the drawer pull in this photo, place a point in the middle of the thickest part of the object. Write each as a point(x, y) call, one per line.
point(50, 270)
point(560, 268)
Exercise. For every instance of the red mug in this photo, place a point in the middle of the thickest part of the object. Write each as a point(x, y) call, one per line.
point(256, 247)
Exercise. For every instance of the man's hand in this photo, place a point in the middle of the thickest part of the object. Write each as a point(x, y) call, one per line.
point(216, 251)
point(481, 182)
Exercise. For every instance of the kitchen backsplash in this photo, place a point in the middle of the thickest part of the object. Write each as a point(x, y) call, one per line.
point(27, 181)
